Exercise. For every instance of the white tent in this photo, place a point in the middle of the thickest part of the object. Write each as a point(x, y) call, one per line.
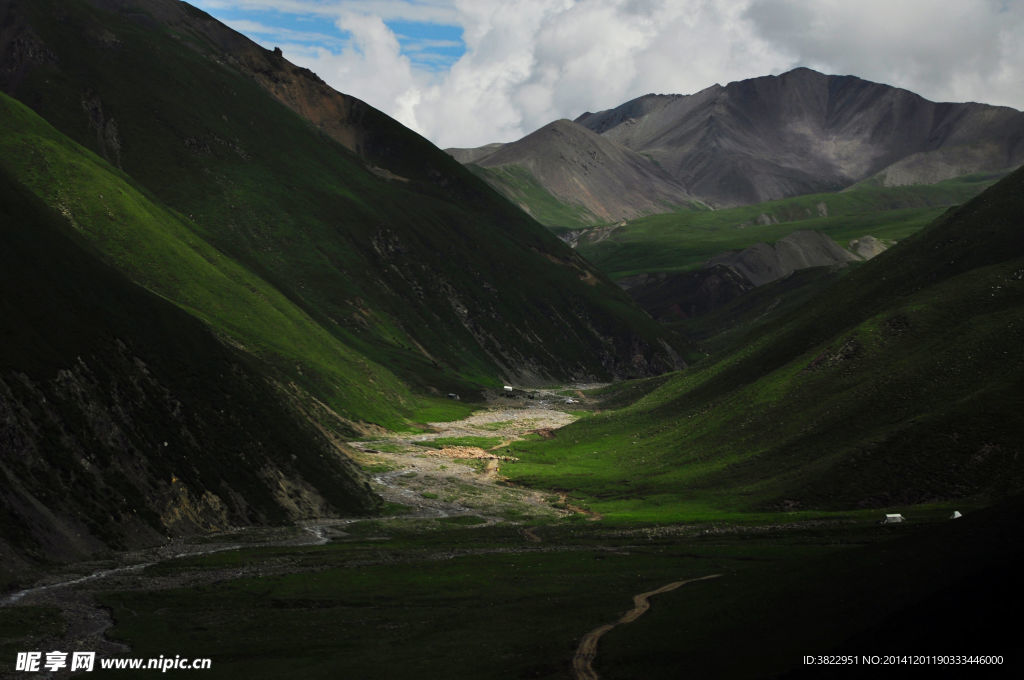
point(956, 515)
point(893, 518)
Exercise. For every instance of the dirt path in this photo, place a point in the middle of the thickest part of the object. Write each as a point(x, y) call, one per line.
point(587, 650)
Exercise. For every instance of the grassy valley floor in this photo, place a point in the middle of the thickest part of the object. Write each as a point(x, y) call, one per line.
point(472, 577)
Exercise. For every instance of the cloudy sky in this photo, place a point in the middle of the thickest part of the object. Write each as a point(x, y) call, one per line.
point(469, 72)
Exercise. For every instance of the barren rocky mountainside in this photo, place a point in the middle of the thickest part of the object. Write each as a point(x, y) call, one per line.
point(607, 181)
point(763, 263)
point(776, 136)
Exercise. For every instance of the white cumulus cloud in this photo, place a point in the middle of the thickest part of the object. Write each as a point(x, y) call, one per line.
point(528, 62)
point(950, 51)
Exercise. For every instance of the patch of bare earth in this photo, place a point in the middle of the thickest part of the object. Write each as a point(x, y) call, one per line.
point(457, 480)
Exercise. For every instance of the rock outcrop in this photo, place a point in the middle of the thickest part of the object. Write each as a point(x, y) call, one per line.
point(867, 247)
point(726, 277)
point(763, 263)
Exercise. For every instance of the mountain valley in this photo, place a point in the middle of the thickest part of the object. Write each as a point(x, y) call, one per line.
point(285, 387)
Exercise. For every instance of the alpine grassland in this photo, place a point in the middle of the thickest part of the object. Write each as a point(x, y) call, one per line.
point(124, 415)
point(414, 598)
point(153, 245)
point(685, 240)
point(481, 442)
point(719, 330)
point(389, 245)
point(523, 189)
point(898, 384)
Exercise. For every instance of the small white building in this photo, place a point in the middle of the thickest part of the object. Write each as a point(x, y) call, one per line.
point(893, 518)
point(507, 388)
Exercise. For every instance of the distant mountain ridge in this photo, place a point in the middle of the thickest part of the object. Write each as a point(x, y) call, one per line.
point(797, 133)
point(608, 181)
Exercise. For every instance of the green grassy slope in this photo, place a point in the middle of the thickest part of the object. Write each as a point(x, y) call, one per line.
point(156, 248)
point(685, 240)
point(398, 252)
point(722, 329)
point(523, 189)
point(898, 384)
point(123, 419)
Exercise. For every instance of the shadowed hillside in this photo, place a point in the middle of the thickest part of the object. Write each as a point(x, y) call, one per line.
point(212, 259)
point(897, 384)
point(387, 243)
point(123, 420)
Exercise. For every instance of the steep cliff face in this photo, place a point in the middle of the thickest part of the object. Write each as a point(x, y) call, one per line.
point(124, 421)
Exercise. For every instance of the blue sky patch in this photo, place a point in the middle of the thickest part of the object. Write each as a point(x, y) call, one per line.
point(429, 46)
